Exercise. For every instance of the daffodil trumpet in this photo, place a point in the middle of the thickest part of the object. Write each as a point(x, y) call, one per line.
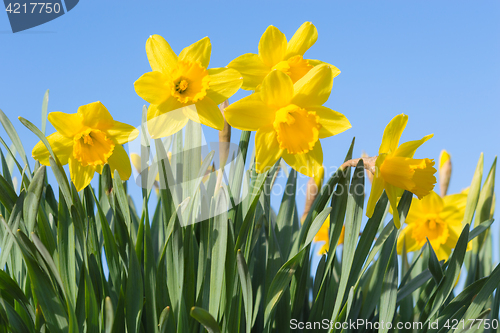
point(396, 170)
point(290, 119)
point(87, 140)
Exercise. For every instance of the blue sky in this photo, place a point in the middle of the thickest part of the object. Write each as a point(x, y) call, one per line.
point(437, 61)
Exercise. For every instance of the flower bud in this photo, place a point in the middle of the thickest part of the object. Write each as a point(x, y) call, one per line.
point(224, 137)
point(444, 172)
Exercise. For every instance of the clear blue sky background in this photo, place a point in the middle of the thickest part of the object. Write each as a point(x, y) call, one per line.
point(437, 61)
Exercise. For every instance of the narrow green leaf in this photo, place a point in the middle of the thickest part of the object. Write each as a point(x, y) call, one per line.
point(354, 215)
point(14, 137)
point(33, 198)
point(219, 240)
point(246, 289)
point(389, 291)
point(134, 294)
point(45, 107)
point(206, 319)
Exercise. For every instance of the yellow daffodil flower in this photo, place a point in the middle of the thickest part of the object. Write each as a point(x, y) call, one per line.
point(87, 140)
point(323, 235)
point(184, 83)
point(289, 119)
point(276, 53)
point(396, 169)
point(438, 219)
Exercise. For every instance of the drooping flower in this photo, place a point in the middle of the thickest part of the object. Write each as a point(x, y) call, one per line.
point(276, 53)
point(396, 169)
point(290, 119)
point(181, 87)
point(323, 235)
point(87, 140)
point(437, 219)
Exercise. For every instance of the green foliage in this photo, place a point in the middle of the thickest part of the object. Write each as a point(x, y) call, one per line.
point(246, 268)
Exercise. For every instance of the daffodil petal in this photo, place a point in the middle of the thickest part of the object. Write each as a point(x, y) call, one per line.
point(277, 89)
point(136, 162)
point(120, 161)
point(224, 83)
point(411, 243)
point(392, 134)
point(408, 149)
point(199, 51)
point(95, 115)
point(308, 164)
point(458, 200)
point(272, 46)
point(251, 67)
point(207, 113)
point(169, 105)
point(61, 146)
point(152, 87)
point(443, 253)
point(165, 124)
point(267, 149)
point(392, 194)
point(160, 54)
point(68, 124)
point(123, 133)
point(314, 62)
point(415, 213)
point(375, 193)
point(81, 176)
point(249, 113)
point(432, 203)
point(332, 122)
point(314, 88)
point(302, 40)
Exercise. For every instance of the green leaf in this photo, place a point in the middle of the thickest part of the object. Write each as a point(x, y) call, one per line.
point(354, 215)
point(164, 319)
point(246, 289)
point(45, 107)
point(206, 319)
point(14, 137)
point(11, 226)
point(119, 191)
point(219, 238)
point(7, 194)
point(33, 198)
point(434, 265)
point(455, 263)
point(134, 294)
point(389, 291)
point(482, 297)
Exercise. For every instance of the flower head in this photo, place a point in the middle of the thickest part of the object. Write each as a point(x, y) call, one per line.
point(276, 53)
point(323, 235)
point(437, 219)
point(396, 169)
point(185, 84)
point(87, 140)
point(289, 119)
